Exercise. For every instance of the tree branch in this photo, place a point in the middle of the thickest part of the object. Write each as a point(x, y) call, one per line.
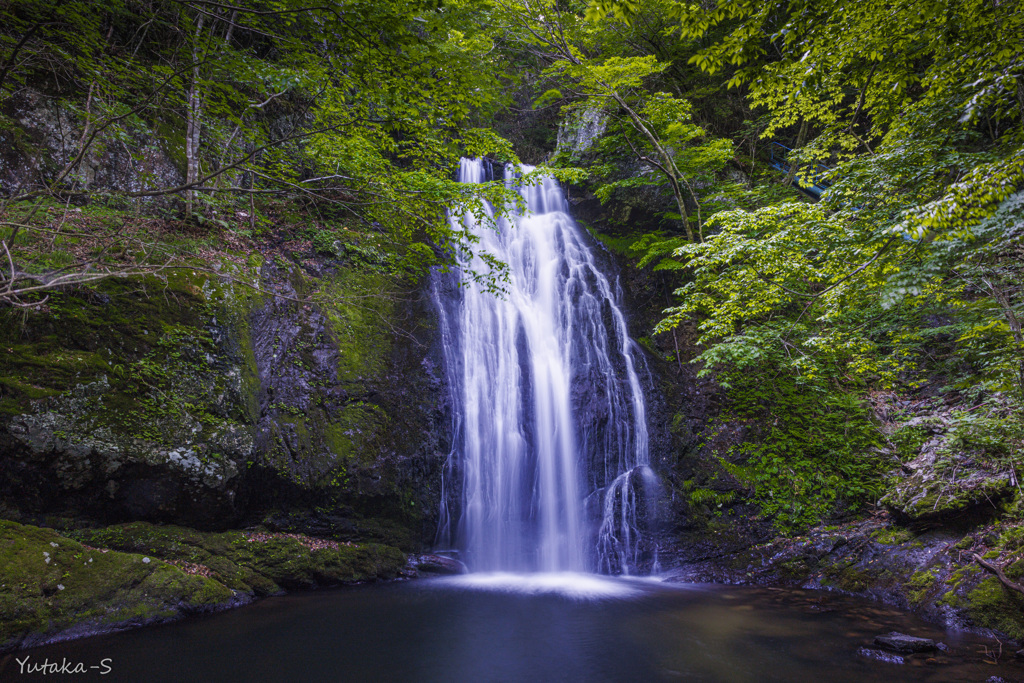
point(882, 250)
point(17, 49)
point(995, 569)
point(237, 162)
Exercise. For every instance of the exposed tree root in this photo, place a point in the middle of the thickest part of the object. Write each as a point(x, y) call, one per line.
point(998, 571)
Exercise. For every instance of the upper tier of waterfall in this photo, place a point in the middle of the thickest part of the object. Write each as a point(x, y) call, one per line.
point(549, 470)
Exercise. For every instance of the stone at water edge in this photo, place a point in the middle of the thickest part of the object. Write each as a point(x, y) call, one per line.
point(901, 642)
point(437, 564)
point(880, 656)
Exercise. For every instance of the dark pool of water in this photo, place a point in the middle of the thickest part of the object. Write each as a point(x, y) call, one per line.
point(551, 628)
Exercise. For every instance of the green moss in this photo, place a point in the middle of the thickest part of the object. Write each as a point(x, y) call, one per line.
point(355, 428)
point(619, 244)
point(795, 569)
point(236, 303)
point(358, 304)
point(892, 535)
point(1012, 538)
point(258, 566)
point(951, 599)
point(847, 577)
point(386, 532)
point(994, 606)
point(920, 585)
point(962, 575)
point(49, 583)
point(82, 339)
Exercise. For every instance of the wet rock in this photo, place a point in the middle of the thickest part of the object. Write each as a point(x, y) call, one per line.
point(818, 548)
point(437, 564)
point(901, 642)
point(880, 656)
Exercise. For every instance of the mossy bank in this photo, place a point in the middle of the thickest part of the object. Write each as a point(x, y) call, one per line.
point(57, 586)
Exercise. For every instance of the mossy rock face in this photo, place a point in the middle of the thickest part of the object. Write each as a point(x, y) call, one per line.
point(349, 407)
point(930, 493)
point(921, 585)
point(124, 402)
point(194, 400)
point(925, 572)
point(54, 586)
point(892, 535)
point(848, 577)
point(51, 585)
point(958, 465)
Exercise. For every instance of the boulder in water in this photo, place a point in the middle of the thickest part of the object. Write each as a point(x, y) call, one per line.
point(901, 642)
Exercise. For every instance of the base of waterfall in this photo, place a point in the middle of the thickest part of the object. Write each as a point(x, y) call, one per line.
point(571, 585)
point(535, 627)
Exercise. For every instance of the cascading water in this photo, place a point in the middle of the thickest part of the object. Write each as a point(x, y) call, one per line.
point(549, 470)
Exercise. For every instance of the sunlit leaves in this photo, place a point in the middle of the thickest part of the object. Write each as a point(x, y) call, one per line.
point(967, 201)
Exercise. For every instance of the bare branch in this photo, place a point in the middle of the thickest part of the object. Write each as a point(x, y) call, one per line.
point(998, 573)
point(17, 48)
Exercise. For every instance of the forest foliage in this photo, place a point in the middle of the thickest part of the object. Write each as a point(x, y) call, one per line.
point(356, 111)
point(905, 277)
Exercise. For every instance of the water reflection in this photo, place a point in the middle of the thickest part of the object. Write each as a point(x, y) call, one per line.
point(531, 628)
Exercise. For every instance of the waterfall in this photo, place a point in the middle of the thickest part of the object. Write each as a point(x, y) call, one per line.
point(549, 468)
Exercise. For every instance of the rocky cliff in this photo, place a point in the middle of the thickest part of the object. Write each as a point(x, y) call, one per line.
point(289, 391)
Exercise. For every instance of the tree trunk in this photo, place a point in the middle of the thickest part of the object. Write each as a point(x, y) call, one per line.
point(195, 111)
point(192, 124)
point(667, 165)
